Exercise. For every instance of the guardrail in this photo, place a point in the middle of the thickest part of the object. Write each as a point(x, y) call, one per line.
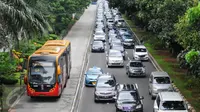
point(157, 66)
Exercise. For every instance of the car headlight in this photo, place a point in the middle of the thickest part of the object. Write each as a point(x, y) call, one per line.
point(154, 88)
point(97, 93)
point(139, 106)
point(119, 106)
point(143, 70)
point(136, 55)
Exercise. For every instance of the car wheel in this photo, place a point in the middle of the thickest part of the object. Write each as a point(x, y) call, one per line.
point(149, 92)
point(152, 97)
point(129, 74)
point(117, 110)
point(96, 101)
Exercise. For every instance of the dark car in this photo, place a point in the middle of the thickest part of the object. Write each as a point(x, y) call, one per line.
point(127, 40)
point(121, 31)
point(105, 89)
point(128, 98)
point(135, 68)
point(97, 46)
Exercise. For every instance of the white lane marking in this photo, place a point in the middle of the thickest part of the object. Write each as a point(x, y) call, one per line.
point(126, 52)
point(128, 58)
point(83, 84)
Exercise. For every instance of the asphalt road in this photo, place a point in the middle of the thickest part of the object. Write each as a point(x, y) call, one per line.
point(79, 35)
point(87, 103)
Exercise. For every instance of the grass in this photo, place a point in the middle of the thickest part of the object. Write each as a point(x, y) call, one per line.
point(167, 63)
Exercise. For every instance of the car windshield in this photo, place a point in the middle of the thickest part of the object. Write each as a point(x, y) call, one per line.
point(105, 83)
point(127, 96)
point(136, 64)
point(127, 36)
point(97, 44)
point(173, 105)
point(141, 50)
point(94, 72)
point(161, 80)
point(115, 54)
point(118, 47)
point(42, 72)
point(121, 21)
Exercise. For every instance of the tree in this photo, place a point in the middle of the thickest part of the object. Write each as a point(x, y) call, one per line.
point(17, 16)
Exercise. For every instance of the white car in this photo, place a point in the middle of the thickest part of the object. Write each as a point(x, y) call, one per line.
point(99, 36)
point(114, 58)
point(140, 53)
point(170, 102)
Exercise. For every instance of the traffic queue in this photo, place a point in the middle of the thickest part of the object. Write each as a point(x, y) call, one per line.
point(113, 37)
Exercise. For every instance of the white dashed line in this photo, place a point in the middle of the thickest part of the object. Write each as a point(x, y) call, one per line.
point(126, 52)
point(128, 58)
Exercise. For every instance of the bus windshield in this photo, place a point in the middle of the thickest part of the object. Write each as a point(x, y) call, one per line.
point(42, 72)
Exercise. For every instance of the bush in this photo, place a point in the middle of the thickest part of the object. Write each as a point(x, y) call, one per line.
point(9, 80)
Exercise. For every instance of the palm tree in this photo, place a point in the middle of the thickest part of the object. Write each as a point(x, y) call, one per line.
point(19, 18)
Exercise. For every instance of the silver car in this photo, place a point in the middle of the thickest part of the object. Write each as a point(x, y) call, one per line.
point(159, 82)
point(170, 102)
point(114, 58)
point(100, 36)
point(120, 48)
point(105, 89)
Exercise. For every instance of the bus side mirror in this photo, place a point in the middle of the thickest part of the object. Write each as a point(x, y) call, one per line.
point(25, 80)
point(58, 70)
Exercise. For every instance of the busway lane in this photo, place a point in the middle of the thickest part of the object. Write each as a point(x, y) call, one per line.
point(87, 103)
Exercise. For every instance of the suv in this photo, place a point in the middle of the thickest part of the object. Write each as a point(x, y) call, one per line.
point(105, 89)
point(140, 53)
point(128, 98)
point(170, 102)
point(159, 81)
point(135, 68)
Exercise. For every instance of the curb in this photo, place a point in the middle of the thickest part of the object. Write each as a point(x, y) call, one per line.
point(157, 66)
point(16, 101)
point(85, 58)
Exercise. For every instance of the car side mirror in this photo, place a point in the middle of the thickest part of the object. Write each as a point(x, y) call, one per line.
point(142, 97)
point(150, 81)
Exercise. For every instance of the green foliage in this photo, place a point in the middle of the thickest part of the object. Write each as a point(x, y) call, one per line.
point(9, 80)
point(7, 64)
point(192, 56)
point(187, 29)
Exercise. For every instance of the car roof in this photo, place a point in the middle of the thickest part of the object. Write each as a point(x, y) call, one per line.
point(106, 76)
point(128, 87)
point(113, 50)
point(170, 96)
point(94, 67)
point(159, 74)
point(135, 61)
point(140, 46)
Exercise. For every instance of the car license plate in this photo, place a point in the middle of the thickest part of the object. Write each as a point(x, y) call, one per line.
point(93, 83)
point(127, 108)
